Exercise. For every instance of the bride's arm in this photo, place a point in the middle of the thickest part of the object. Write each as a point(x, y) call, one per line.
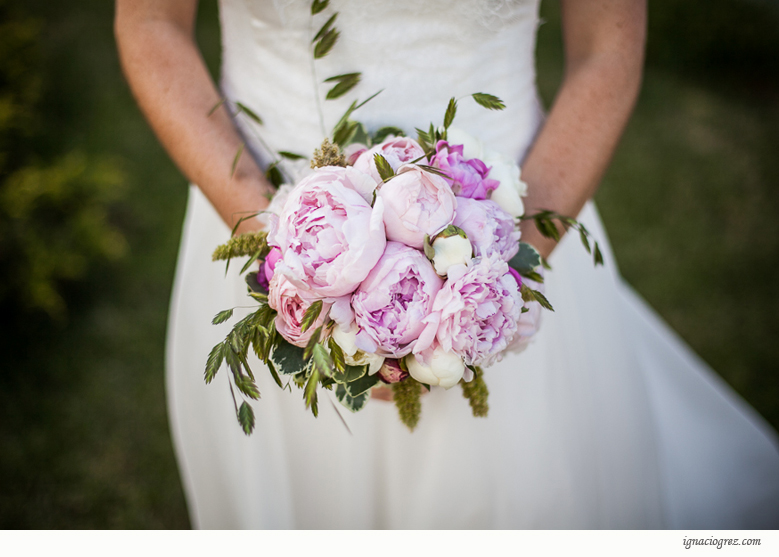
point(604, 53)
point(173, 88)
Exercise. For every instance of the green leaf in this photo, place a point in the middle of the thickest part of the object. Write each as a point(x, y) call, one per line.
point(526, 259)
point(360, 135)
point(274, 374)
point(312, 342)
point(325, 28)
point(322, 361)
point(382, 133)
point(274, 175)
point(361, 385)
point(309, 318)
point(425, 140)
point(532, 275)
point(252, 259)
point(337, 354)
point(530, 295)
point(291, 156)
point(318, 5)
point(488, 101)
point(585, 241)
point(214, 362)
point(598, 255)
point(309, 392)
point(246, 418)
point(547, 227)
point(236, 158)
point(350, 374)
point(384, 168)
point(451, 110)
point(343, 135)
point(247, 387)
point(326, 43)
point(354, 404)
point(289, 358)
point(222, 316)
point(345, 83)
point(428, 248)
point(249, 112)
point(363, 103)
point(434, 170)
point(216, 106)
point(254, 286)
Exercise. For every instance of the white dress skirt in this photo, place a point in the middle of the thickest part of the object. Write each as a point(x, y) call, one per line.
point(607, 420)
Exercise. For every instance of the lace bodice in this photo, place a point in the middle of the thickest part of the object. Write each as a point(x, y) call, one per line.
point(419, 53)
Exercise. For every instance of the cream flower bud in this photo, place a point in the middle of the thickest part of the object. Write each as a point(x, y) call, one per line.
point(353, 356)
point(509, 194)
point(445, 369)
point(451, 250)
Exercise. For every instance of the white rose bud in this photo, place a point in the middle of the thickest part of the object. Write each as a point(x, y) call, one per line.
point(472, 147)
point(353, 356)
point(445, 369)
point(509, 194)
point(452, 247)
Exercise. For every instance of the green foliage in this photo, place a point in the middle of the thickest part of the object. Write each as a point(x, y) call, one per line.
point(451, 110)
point(246, 418)
point(242, 245)
point(406, 395)
point(353, 403)
point(526, 261)
point(384, 168)
point(382, 133)
point(344, 84)
point(477, 393)
point(488, 101)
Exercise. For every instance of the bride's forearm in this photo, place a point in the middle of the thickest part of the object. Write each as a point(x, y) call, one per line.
point(175, 92)
point(604, 47)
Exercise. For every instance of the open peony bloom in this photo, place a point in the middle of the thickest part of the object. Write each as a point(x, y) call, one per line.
point(416, 203)
point(391, 303)
point(328, 234)
point(442, 368)
point(468, 177)
point(283, 296)
point(489, 228)
point(475, 313)
point(396, 150)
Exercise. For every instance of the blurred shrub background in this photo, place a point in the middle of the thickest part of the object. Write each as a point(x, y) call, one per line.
point(91, 210)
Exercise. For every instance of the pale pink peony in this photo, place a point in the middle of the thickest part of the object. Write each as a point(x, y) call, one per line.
point(329, 236)
point(284, 297)
point(396, 150)
point(530, 321)
point(489, 228)
point(416, 203)
point(468, 177)
point(475, 313)
point(390, 305)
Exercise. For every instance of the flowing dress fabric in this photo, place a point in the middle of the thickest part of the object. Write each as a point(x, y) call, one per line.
point(607, 420)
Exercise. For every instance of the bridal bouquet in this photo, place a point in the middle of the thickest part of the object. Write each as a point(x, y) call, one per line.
point(395, 261)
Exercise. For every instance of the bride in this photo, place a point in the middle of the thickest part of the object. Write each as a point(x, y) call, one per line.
point(606, 421)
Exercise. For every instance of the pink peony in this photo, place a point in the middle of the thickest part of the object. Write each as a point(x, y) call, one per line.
point(475, 313)
point(397, 150)
point(285, 298)
point(329, 236)
point(416, 203)
point(268, 266)
point(467, 177)
point(489, 228)
point(391, 303)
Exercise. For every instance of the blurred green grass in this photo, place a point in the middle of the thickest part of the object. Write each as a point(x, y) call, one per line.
point(690, 203)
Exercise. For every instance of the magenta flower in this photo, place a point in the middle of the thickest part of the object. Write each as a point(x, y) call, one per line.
point(489, 228)
point(475, 313)
point(329, 236)
point(390, 305)
point(467, 177)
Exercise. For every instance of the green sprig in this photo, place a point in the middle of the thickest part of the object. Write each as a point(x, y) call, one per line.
point(406, 395)
point(476, 392)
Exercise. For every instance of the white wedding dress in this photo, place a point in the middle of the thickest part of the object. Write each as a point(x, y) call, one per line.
point(606, 421)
